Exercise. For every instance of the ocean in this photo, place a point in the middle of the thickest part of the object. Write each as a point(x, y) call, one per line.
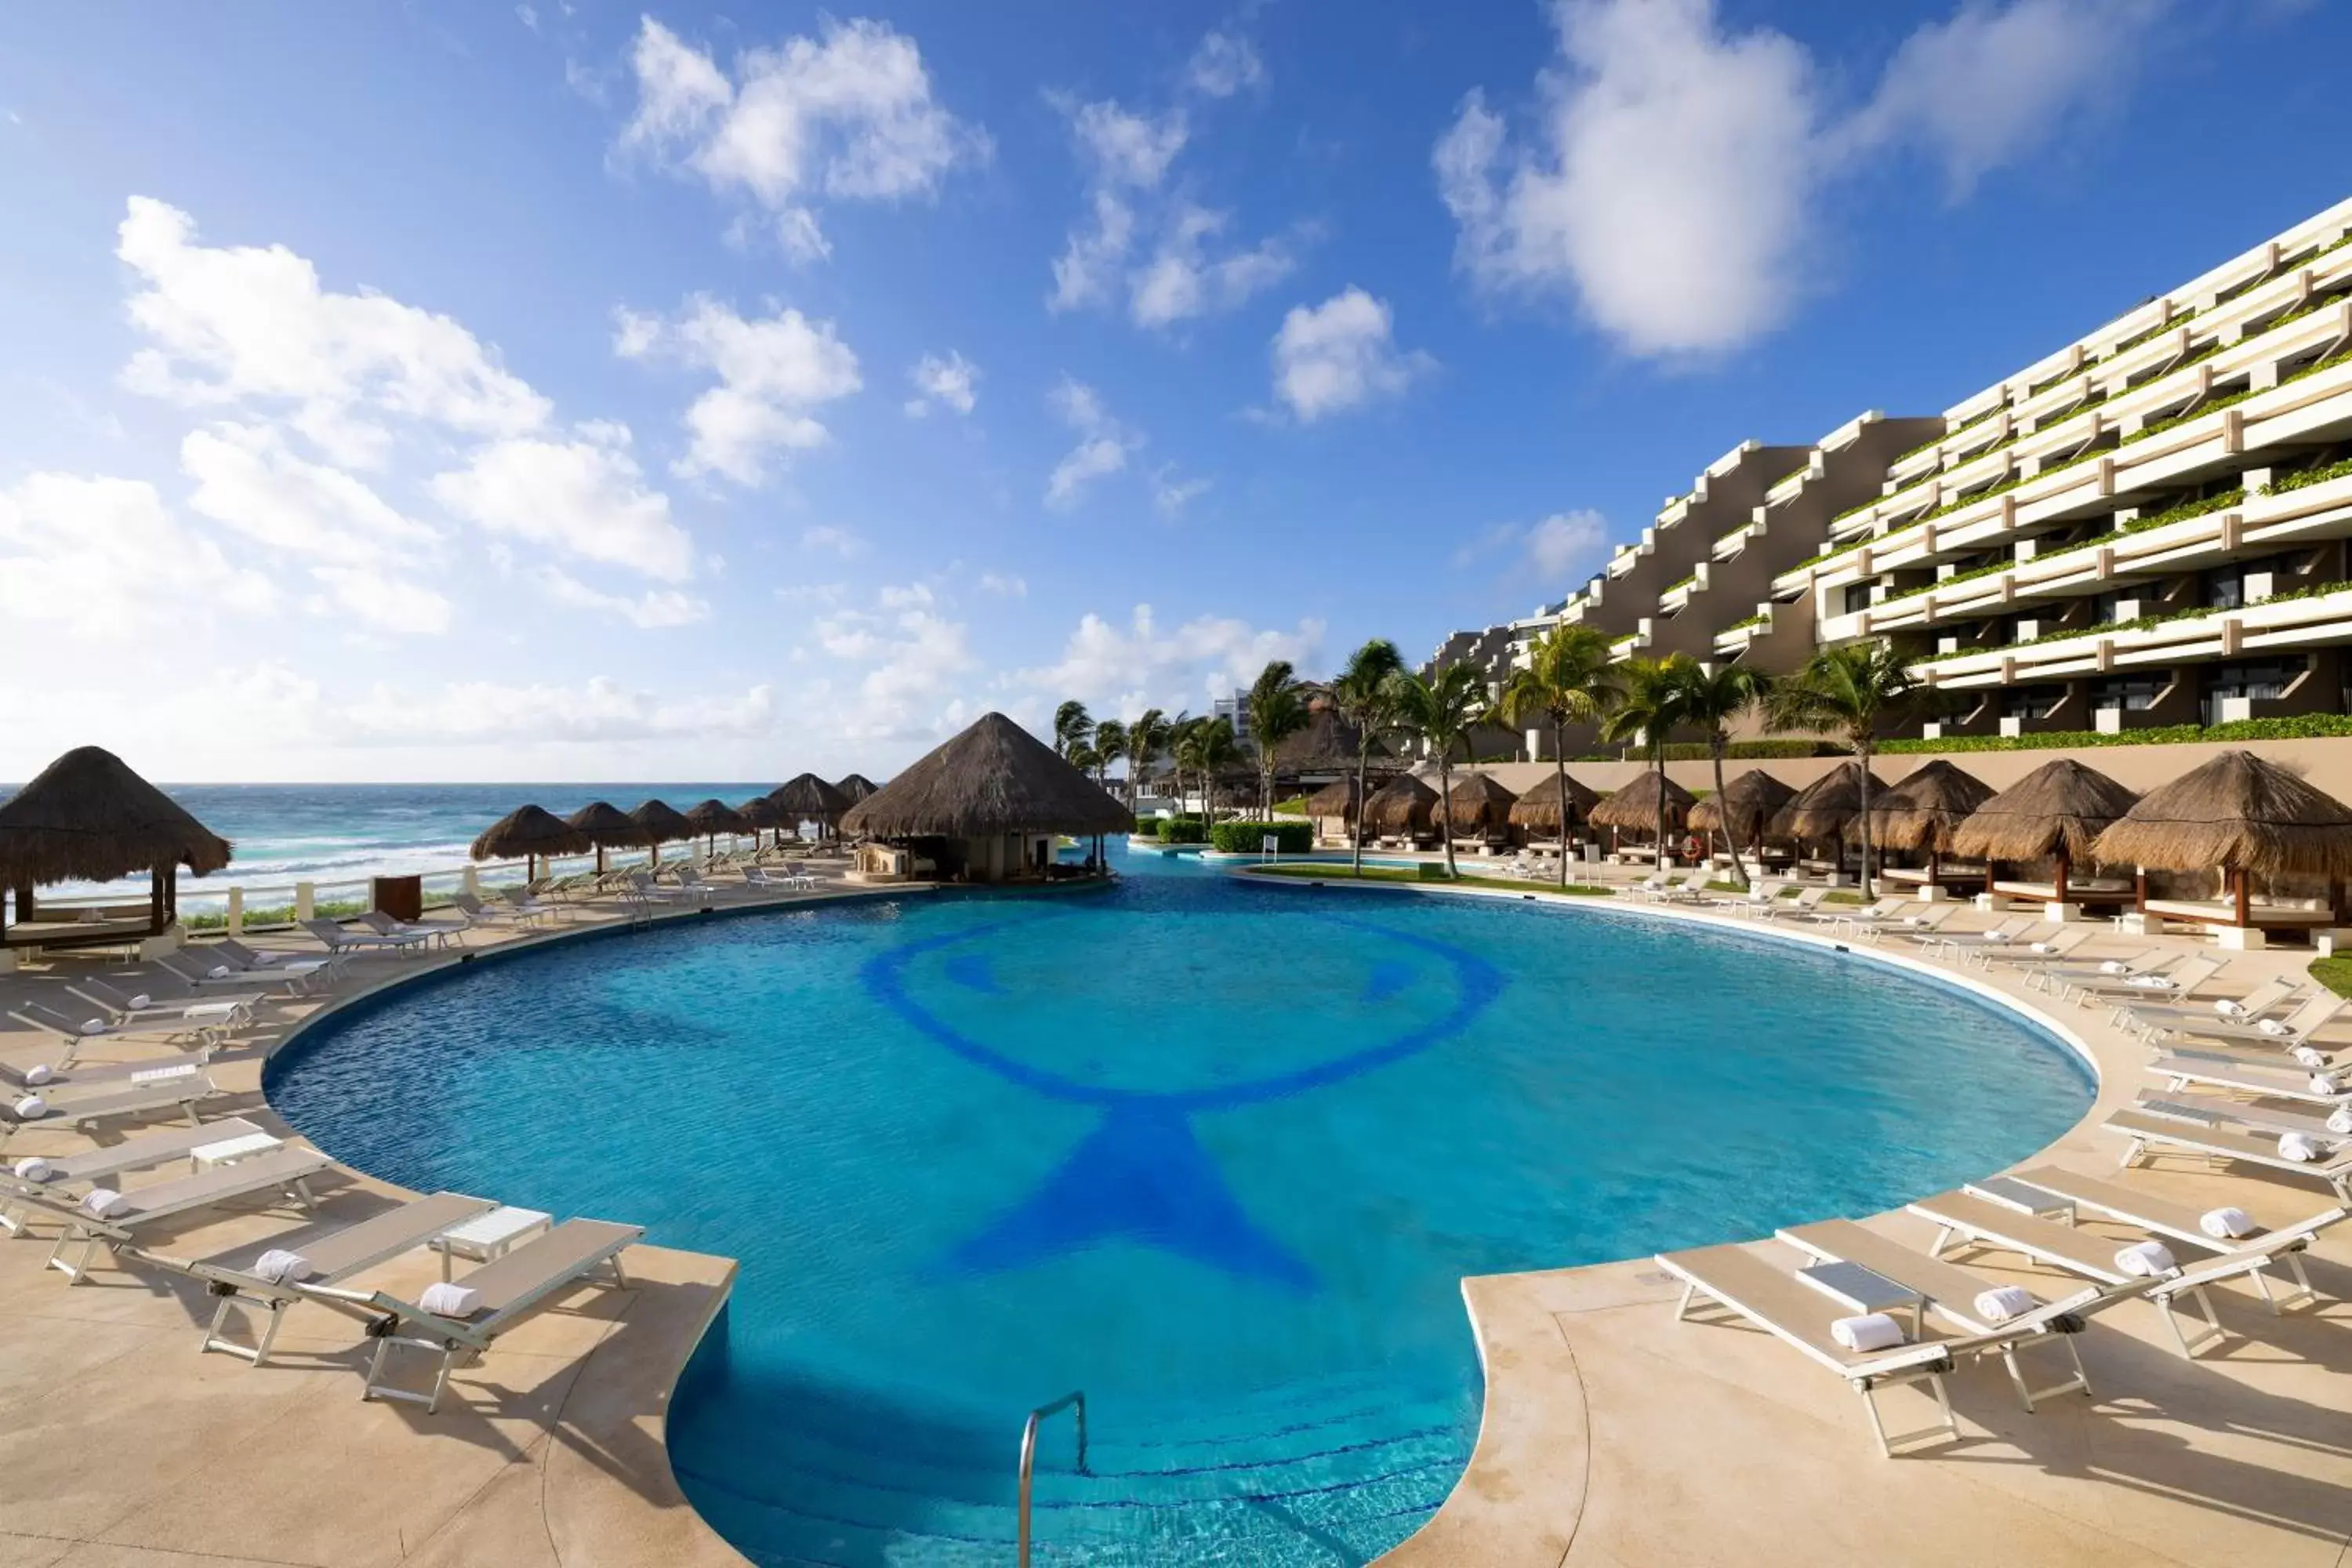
point(347, 833)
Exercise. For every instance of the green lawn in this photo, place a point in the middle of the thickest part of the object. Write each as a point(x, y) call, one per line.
point(2333, 971)
point(1330, 872)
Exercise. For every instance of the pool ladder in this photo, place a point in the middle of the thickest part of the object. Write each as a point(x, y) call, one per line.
point(1075, 1401)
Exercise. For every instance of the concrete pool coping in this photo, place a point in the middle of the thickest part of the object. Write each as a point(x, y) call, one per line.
point(1609, 1435)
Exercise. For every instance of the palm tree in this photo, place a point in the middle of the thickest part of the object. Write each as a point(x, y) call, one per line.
point(1072, 725)
point(1277, 713)
point(1147, 738)
point(1569, 678)
point(1366, 699)
point(1208, 747)
point(1110, 745)
point(1852, 692)
point(1647, 711)
point(1442, 711)
point(1714, 701)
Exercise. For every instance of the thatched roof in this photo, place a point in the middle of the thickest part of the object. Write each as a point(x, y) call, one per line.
point(854, 787)
point(530, 830)
point(810, 798)
point(88, 818)
point(2237, 811)
point(1403, 804)
point(1636, 806)
point(2060, 802)
point(1334, 800)
point(663, 822)
point(1328, 742)
point(1539, 808)
point(716, 816)
point(1925, 810)
point(1477, 803)
point(995, 778)
point(1823, 807)
point(1753, 799)
point(760, 811)
point(606, 825)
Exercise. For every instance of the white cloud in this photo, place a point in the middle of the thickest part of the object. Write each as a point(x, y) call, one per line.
point(104, 558)
point(834, 539)
point(1104, 445)
point(1223, 64)
point(952, 383)
point(248, 478)
point(1673, 182)
point(912, 657)
point(1181, 281)
point(1088, 271)
point(1171, 493)
point(847, 114)
point(1205, 657)
point(246, 325)
point(376, 599)
point(1564, 543)
point(584, 498)
point(493, 712)
point(653, 609)
point(1004, 582)
point(1339, 356)
point(772, 373)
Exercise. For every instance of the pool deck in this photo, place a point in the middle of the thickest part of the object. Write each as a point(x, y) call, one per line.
point(1613, 1434)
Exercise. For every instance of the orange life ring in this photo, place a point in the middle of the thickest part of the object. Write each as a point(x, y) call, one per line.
point(1691, 847)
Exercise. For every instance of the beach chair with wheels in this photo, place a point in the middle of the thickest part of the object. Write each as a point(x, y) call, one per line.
point(92, 1227)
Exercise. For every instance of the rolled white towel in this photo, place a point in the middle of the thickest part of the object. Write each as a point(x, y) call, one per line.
point(2226, 1224)
point(2275, 1027)
point(1870, 1331)
point(2145, 1261)
point(142, 1000)
point(164, 1075)
point(38, 1074)
point(445, 1301)
point(219, 971)
point(2299, 1146)
point(279, 1267)
point(31, 1107)
point(2003, 1302)
point(2340, 1120)
point(2045, 947)
point(2314, 1059)
point(2327, 1083)
point(91, 1026)
point(2114, 966)
point(2233, 1011)
point(104, 1203)
point(2148, 982)
point(33, 1168)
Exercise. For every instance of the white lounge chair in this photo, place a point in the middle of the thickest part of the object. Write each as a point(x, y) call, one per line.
point(205, 1023)
point(340, 941)
point(150, 1089)
point(526, 908)
point(286, 1170)
point(328, 1259)
point(2295, 1028)
point(429, 932)
point(1759, 896)
point(1885, 912)
point(268, 963)
point(2183, 1065)
point(2043, 953)
point(64, 1173)
point(203, 973)
point(2150, 1134)
point(2151, 1018)
point(1807, 900)
point(2009, 933)
point(510, 1289)
point(2171, 983)
point(2050, 976)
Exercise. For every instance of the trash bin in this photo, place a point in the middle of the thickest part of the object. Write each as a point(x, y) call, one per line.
point(402, 897)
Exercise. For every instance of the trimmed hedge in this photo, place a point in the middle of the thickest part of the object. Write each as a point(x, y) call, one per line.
point(1698, 752)
point(1249, 837)
point(2294, 727)
point(1173, 829)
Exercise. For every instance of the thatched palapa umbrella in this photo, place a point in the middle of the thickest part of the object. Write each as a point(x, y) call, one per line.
point(713, 817)
point(607, 827)
point(2057, 812)
point(1403, 805)
point(88, 817)
point(1636, 807)
point(993, 782)
point(760, 811)
point(530, 831)
point(1922, 813)
point(2241, 816)
point(662, 824)
point(1540, 809)
point(854, 787)
point(809, 798)
point(1479, 804)
point(1743, 813)
point(1333, 800)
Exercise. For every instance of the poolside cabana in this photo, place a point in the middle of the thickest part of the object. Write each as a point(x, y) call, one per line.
point(986, 806)
point(1919, 816)
point(1818, 814)
point(2053, 816)
point(2240, 818)
point(1540, 810)
point(713, 817)
point(761, 813)
point(662, 824)
point(1635, 809)
point(607, 827)
point(1332, 810)
point(809, 798)
point(854, 787)
point(88, 817)
point(1481, 809)
point(528, 833)
point(1404, 809)
point(1743, 813)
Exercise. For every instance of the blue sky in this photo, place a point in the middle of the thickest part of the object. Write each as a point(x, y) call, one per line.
point(576, 391)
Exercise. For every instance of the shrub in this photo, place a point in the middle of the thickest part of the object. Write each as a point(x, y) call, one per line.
point(1697, 752)
point(1183, 830)
point(1249, 837)
point(2292, 727)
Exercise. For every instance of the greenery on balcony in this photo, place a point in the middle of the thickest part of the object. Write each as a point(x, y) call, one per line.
point(2303, 478)
point(2147, 623)
point(2158, 331)
point(1743, 626)
point(2181, 513)
point(1684, 583)
point(2294, 727)
point(2210, 405)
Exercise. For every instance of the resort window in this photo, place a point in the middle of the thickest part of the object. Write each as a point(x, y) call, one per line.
point(1857, 597)
point(2263, 683)
point(2132, 694)
point(2030, 702)
point(2243, 583)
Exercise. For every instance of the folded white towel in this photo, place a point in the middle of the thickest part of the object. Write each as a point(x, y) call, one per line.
point(2275, 1027)
point(2327, 1083)
point(2308, 1057)
point(2233, 1011)
point(1870, 1331)
point(278, 1267)
point(219, 971)
point(38, 1074)
point(92, 1027)
point(445, 1301)
point(164, 1075)
point(2299, 1146)
point(142, 1000)
point(33, 1168)
point(2044, 947)
point(31, 1107)
point(2002, 1303)
point(104, 1202)
point(2146, 1259)
point(2115, 966)
point(2226, 1224)
point(2148, 982)
point(2340, 1120)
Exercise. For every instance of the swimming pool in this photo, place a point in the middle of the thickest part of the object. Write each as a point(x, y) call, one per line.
point(1215, 1154)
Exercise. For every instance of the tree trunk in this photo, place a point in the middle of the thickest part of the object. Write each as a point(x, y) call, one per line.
point(1445, 805)
point(1658, 755)
point(1723, 811)
point(1559, 781)
point(1862, 752)
point(1363, 767)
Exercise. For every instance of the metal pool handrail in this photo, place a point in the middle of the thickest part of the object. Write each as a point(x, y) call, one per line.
point(1076, 1400)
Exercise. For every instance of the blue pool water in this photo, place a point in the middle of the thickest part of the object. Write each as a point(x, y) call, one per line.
point(1216, 1153)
